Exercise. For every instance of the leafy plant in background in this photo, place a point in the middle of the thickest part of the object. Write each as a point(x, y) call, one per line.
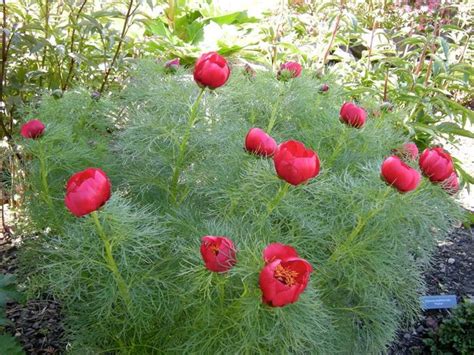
point(51, 46)
point(8, 292)
point(186, 28)
point(366, 242)
point(454, 335)
point(417, 57)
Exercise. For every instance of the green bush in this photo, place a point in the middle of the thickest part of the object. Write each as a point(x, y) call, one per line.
point(367, 243)
point(454, 335)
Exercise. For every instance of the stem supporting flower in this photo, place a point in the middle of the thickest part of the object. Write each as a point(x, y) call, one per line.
point(282, 191)
point(361, 223)
point(276, 107)
point(111, 264)
point(182, 147)
point(44, 177)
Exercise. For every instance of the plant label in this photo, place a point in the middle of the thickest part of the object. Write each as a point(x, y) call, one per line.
point(438, 302)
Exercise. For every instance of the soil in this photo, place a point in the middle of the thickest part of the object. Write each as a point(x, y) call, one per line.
point(452, 273)
point(38, 324)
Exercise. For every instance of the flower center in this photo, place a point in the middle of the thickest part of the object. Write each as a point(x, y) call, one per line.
point(288, 277)
point(214, 248)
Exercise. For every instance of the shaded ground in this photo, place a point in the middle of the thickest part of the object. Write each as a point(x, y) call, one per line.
point(37, 324)
point(452, 273)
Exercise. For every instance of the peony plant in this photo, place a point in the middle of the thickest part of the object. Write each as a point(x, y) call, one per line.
point(305, 248)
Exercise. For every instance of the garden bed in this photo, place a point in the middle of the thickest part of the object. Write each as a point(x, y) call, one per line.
point(451, 273)
point(38, 324)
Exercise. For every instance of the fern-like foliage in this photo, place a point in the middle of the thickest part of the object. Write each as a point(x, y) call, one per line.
point(367, 242)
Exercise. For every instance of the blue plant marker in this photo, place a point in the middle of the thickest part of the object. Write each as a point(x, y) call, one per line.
point(438, 302)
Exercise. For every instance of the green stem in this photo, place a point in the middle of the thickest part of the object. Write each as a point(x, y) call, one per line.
point(282, 191)
point(342, 142)
point(362, 222)
point(44, 177)
point(109, 259)
point(182, 147)
point(221, 285)
point(277, 105)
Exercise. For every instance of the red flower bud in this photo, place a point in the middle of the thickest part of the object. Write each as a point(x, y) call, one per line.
point(211, 70)
point(294, 163)
point(280, 251)
point(218, 253)
point(289, 70)
point(32, 129)
point(282, 281)
point(259, 142)
point(451, 184)
point(436, 163)
point(353, 115)
point(398, 174)
point(324, 88)
point(172, 65)
point(87, 191)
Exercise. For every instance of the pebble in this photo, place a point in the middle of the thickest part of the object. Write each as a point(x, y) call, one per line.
point(451, 261)
point(431, 322)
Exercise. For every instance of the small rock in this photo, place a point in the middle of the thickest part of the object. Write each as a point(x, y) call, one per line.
point(420, 329)
point(451, 261)
point(407, 336)
point(431, 323)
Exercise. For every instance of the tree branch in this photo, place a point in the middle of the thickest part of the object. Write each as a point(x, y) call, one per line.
point(5, 48)
point(117, 51)
point(73, 34)
point(334, 32)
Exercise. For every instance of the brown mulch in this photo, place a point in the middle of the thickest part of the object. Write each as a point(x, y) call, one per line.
point(37, 324)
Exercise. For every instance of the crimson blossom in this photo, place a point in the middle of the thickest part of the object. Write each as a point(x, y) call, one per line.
point(87, 191)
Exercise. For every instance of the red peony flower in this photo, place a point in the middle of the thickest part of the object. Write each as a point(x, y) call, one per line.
point(32, 129)
point(398, 174)
point(353, 115)
point(294, 163)
point(436, 163)
point(172, 65)
point(451, 184)
point(211, 70)
point(282, 281)
point(280, 251)
point(87, 191)
point(259, 142)
point(218, 253)
point(289, 70)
